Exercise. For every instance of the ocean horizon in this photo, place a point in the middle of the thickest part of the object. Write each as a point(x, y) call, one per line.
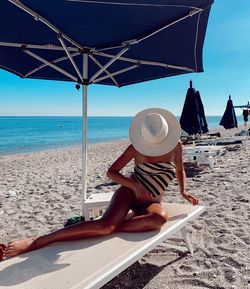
point(24, 134)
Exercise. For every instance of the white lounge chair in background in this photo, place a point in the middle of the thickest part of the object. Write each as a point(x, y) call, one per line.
point(225, 140)
point(236, 139)
point(203, 154)
point(96, 204)
point(91, 263)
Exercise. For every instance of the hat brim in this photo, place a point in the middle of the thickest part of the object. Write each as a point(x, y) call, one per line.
point(149, 149)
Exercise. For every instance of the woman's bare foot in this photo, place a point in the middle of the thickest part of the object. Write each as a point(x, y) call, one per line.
point(20, 246)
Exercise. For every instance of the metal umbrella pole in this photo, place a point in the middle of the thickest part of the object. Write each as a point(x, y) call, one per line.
point(84, 128)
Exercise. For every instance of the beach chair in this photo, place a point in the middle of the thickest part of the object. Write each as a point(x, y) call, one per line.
point(202, 154)
point(96, 204)
point(231, 140)
point(225, 140)
point(91, 263)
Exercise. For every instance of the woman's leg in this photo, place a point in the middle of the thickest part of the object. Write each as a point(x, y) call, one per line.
point(113, 217)
point(153, 217)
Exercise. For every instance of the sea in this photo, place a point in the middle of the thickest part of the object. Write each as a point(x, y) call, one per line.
point(25, 134)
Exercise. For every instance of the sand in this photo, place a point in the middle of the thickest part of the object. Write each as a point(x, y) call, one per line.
point(40, 191)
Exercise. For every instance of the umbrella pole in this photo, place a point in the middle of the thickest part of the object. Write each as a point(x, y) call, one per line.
point(84, 128)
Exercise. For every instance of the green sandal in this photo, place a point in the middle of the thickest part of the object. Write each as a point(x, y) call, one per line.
point(74, 220)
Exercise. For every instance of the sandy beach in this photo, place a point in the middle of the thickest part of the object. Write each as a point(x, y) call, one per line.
point(40, 191)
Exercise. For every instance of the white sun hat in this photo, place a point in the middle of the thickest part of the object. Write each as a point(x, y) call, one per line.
point(154, 132)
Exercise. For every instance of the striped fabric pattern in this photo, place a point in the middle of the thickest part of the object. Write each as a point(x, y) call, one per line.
point(155, 177)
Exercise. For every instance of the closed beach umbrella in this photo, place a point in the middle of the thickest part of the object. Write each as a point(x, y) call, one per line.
point(193, 119)
point(229, 119)
point(202, 116)
point(106, 42)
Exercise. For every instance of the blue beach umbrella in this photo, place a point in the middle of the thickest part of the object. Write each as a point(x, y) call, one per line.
point(201, 113)
point(105, 42)
point(229, 119)
point(193, 120)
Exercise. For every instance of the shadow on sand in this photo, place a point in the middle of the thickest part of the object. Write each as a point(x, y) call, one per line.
point(192, 169)
point(137, 276)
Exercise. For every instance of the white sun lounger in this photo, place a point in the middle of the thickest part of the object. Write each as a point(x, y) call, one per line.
point(91, 263)
point(204, 154)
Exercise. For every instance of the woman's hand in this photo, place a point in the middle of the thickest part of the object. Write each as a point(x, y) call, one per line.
point(190, 198)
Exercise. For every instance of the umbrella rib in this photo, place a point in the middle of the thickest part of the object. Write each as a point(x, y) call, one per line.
point(114, 58)
point(35, 46)
point(49, 47)
point(53, 61)
point(116, 73)
point(50, 64)
point(146, 62)
point(12, 70)
point(70, 58)
point(130, 4)
point(109, 75)
point(196, 38)
point(131, 42)
point(109, 48)
point(190, 14)
point(46, 22)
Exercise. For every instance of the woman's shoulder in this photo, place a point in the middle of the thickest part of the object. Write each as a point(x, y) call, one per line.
point(179, 145)
point(177, 150)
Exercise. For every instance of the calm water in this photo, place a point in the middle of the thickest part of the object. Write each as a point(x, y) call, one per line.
point(27, 134)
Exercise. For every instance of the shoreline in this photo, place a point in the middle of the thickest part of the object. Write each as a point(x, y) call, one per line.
point(61, 148)
point(40, 191)
point(211, 130)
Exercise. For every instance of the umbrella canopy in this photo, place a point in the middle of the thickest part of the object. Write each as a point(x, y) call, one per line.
point(193, 120)
point(229, 119)
point(107, 42)
point(131, 42)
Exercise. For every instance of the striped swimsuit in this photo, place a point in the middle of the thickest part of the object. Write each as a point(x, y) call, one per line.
point(155, 177)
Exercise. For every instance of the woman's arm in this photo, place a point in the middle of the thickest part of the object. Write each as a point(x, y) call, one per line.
point(181, 175)
point(114, 171)
point(180, 172)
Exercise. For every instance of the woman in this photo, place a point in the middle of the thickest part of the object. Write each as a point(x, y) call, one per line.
point(157, 154)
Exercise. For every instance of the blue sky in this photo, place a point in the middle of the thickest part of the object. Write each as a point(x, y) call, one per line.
point(226, 59)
